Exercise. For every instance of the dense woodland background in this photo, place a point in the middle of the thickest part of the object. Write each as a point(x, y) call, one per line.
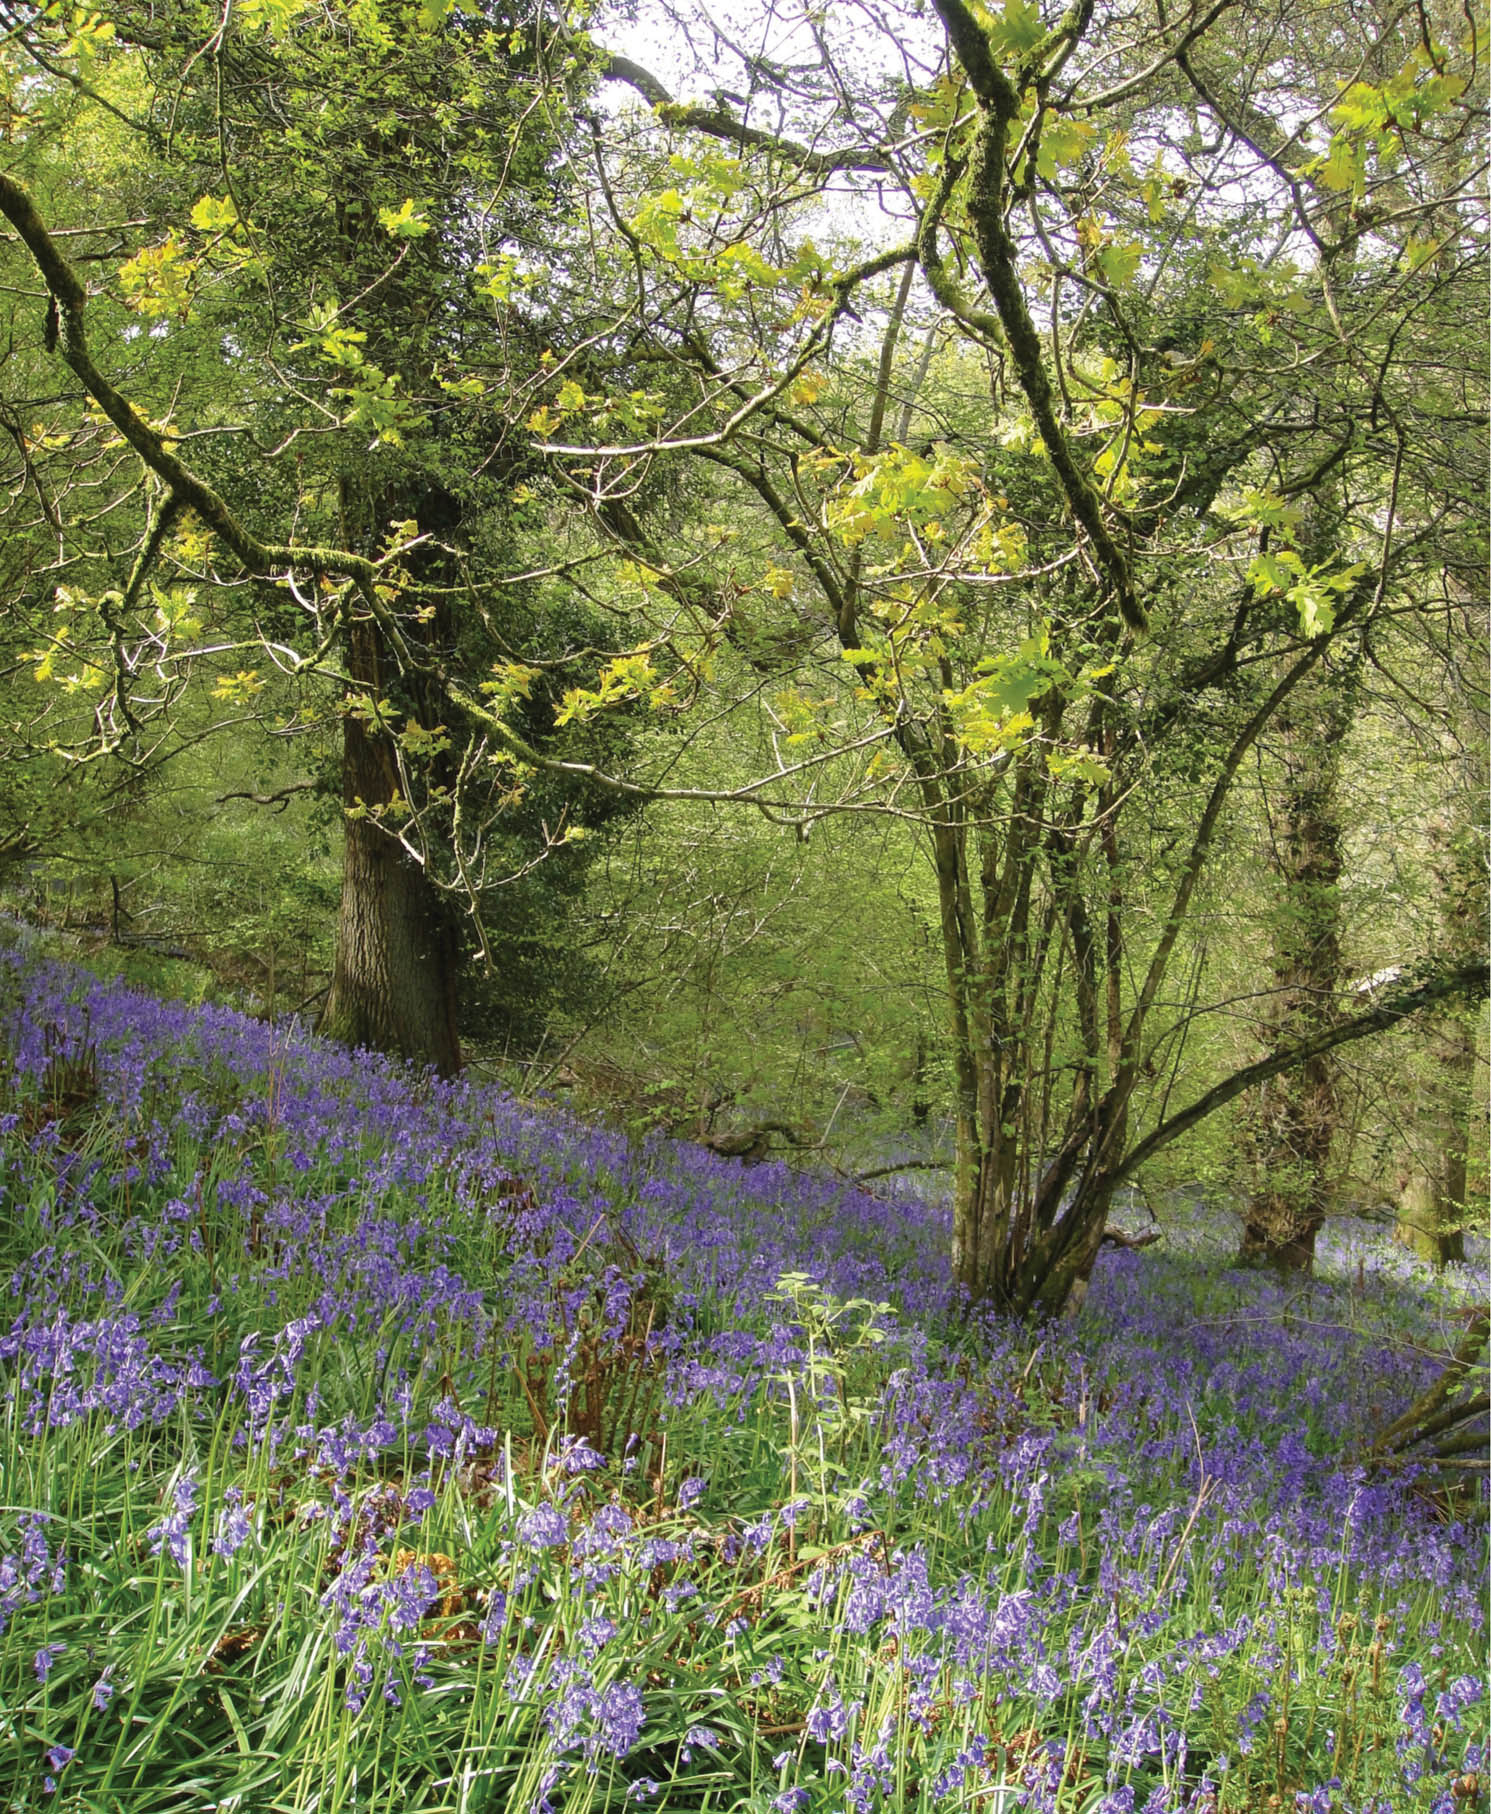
point(743, 877)
point(908, 586)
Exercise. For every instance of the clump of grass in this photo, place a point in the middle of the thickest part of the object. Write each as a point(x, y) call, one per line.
point(372, 1443)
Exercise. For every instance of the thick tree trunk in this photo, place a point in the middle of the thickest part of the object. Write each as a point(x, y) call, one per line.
point(1279, 1235)
point(1432, 1181)
point(1427, 1226)
point(990, 988)
point(1433, 1185)
point(1294, 1119)
point(393, 986)
point(1293, 1122)
point(394, 983)
point(984, 1207)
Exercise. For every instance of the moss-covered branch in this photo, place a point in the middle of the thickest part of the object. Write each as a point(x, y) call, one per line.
point(999, 105)
point(716, 123)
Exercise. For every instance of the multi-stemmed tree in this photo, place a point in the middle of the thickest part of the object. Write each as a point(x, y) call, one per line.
point(1197, 264)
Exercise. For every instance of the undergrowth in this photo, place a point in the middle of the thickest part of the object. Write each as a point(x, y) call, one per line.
point(373, 1443)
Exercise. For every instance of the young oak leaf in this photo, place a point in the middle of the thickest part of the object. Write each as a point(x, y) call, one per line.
point(405, 222)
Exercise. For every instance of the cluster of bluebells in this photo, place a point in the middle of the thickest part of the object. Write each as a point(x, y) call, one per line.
point(333, 1201)
point(33, 1571)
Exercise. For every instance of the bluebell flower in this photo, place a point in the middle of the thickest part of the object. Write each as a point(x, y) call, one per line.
point(690, 1492)
point(544, 1528)
point(234, 1525)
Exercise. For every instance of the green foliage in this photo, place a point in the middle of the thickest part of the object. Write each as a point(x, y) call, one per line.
point(605, 444)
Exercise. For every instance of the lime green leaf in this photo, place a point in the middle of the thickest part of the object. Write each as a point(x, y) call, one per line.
point(1316, 612)
point(1119, 261)
point(1235, 285)
point(237, 687)
point(406, 222)
point(1080, 764)
point(157, 281)
point(1266, 510)
point(1063, 142)
point(1342, 169)
point(213, 216)
point(1015, 27)
point(1362, 107)
point(1270, 572)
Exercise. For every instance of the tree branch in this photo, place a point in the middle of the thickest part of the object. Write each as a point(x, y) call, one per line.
point(279, 799)
point(1471, 980)
point(999, 106)
point(186, 487)
point(715, 123)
